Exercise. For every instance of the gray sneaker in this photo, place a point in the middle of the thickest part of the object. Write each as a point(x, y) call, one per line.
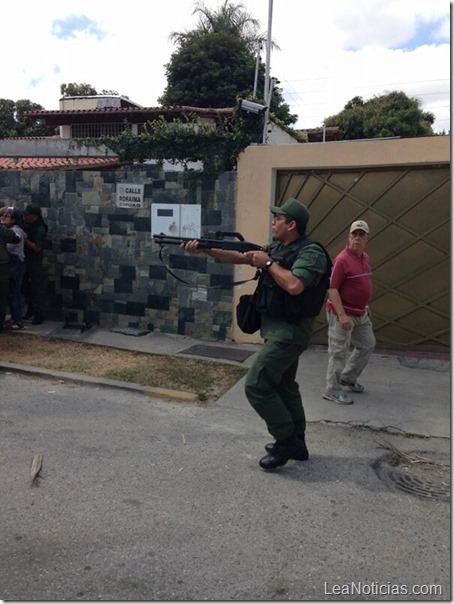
point(340, 399)
point(354, 386)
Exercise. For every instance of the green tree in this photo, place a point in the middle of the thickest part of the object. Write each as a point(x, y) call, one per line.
point(7, 118)
point(229, 18)
point(215, 63)
point(280, 109)
point(209, 71)
point(13, 123)
point(391, 114)
point(185, 142)
point(74, 89)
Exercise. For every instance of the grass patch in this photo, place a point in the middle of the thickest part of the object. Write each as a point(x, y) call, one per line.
point(207, 379)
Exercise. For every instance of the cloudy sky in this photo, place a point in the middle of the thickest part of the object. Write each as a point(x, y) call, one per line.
point(330, 50)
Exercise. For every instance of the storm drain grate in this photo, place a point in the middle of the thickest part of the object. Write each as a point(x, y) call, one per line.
point(218, 352)
point(416, 473)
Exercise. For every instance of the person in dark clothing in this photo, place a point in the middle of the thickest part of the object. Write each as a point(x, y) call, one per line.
point(12, 218)
point(36, 278)
point(6, 236)
point(295, 272)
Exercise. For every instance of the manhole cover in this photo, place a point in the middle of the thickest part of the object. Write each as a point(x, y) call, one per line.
point(417, 473)
point(218, 352)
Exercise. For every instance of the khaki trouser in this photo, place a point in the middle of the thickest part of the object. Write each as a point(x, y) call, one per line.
point(342, 365)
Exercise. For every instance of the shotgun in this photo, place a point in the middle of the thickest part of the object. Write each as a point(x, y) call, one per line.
point(219, 242)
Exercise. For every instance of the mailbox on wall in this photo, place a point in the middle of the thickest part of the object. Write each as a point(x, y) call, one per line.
point(176, 220)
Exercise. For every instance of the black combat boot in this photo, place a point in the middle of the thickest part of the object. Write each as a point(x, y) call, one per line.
point(303, 455)
point(38, 318)
point(29, 314)
point(283, 450)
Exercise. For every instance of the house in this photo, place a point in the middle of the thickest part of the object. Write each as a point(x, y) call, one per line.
point(109, 115)
point(323, 134)
point(104, 115)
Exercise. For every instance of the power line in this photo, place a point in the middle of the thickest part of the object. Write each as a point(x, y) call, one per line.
point(374, 84)
point(365, 86)
point(294, 97)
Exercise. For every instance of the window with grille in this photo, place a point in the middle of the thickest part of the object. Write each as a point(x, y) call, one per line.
point(142, 127)
point(98, 130)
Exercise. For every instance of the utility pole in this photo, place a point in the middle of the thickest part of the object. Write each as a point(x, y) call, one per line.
point(273, 82)
point(268, 51)
point(257, 65)
point(267, 69)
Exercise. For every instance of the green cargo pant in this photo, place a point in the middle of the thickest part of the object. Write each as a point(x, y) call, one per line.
point(273, 391)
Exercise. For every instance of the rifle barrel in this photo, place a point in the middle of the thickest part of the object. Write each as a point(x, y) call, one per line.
point(222, 244)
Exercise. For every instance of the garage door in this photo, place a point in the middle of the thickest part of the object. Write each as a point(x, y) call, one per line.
point(408, 211)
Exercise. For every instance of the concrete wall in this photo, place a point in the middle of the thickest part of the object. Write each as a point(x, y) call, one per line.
point(104, 268)
point(51, 148)
point(278, 136)
point(102, 264)
point(259, 168)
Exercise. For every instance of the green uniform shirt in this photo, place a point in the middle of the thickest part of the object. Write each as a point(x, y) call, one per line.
point(309, 266)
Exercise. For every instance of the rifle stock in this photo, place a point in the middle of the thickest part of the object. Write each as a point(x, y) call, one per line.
point(220, 242)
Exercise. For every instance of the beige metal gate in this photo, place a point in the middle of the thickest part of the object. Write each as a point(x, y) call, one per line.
point(408, 211)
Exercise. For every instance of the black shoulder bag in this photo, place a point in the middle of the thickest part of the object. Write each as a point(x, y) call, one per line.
point(249, 319)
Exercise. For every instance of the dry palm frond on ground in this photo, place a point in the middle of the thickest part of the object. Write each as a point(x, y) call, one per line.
point(400, 457)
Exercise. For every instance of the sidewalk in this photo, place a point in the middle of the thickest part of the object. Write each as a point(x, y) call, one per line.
point(145, 499)
point(404, 394)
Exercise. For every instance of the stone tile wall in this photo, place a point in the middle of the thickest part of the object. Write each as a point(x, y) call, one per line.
point(102, 263)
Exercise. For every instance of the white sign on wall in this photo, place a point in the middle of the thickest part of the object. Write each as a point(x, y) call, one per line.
point(176, 220)
point(129, 195)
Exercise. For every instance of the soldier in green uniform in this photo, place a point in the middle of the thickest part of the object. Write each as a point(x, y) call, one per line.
point(292, 287)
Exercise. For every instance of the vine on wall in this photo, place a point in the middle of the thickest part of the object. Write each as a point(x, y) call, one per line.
point(217, 146)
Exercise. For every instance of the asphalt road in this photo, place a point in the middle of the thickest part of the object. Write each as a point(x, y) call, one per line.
point(144, 499)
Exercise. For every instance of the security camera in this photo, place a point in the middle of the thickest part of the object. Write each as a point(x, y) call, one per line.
point(251, 107)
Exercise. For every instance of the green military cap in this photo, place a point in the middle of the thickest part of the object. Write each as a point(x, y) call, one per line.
point(295, 209)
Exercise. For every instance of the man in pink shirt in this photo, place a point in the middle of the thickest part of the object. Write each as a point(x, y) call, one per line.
point(348, 316)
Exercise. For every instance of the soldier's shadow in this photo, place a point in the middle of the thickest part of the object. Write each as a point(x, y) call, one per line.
point(321, 468)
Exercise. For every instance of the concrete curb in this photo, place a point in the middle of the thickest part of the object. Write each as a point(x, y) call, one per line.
point(78, 378)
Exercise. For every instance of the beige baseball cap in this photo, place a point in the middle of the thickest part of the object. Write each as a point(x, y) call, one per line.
point(359, 225)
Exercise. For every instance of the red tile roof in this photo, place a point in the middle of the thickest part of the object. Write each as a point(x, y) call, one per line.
point(57, 163)
point(54, 116)
point(209, 111)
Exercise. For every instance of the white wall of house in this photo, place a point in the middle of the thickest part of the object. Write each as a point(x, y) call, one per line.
point(277, 136)
point(99, 101)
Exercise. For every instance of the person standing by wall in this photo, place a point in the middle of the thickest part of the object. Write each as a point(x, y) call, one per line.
point(292, 288)
point(36, 278)
point(348, 317)
point(12, 218)
point(6, 236)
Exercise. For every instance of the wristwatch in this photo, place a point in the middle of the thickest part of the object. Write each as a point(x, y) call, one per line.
point(268, 263)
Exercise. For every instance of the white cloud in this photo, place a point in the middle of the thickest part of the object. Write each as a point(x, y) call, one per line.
point(385, 23)
point(318, 72)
